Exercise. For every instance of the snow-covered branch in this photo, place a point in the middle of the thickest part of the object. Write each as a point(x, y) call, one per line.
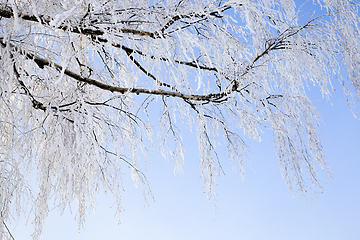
point(88, 85)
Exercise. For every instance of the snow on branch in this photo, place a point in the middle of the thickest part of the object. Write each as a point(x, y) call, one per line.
point(88, 87)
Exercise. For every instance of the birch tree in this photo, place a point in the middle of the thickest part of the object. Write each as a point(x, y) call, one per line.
point(87, 87)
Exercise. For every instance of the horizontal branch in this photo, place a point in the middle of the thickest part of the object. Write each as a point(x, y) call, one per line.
point(41, 62)
point(98, 35)
point(7, 12)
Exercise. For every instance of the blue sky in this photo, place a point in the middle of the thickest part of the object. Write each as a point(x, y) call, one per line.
point(260, 207)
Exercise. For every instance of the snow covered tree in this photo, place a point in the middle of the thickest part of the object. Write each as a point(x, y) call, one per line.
point(88, 86)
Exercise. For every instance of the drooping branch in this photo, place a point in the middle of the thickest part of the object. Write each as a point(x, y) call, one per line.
point(8, 230)
point(190, 64)
point(130, 52)
point(35, 103)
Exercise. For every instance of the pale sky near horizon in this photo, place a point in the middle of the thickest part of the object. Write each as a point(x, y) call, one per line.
point(259, 208)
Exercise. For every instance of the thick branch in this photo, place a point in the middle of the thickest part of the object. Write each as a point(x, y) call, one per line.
point(41, 62)
point(98, 35)
point(7, 12)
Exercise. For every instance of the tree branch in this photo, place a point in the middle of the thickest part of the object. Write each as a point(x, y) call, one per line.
point(41, 62)
point(7, 229)
point(7, 12)
point(97, 35)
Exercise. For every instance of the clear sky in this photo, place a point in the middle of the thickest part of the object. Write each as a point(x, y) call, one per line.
point(258, 208)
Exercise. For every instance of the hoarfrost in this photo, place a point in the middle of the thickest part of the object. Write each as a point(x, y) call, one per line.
point(88, 87)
